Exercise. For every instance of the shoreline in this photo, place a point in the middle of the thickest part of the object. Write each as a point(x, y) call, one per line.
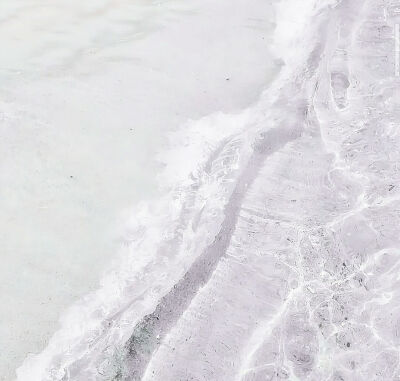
point(68, 216)
point(275, 256)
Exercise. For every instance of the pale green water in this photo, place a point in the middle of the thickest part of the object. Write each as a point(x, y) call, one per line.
point(88, 91)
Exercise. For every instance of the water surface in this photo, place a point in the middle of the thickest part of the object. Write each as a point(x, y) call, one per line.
point(88, 92)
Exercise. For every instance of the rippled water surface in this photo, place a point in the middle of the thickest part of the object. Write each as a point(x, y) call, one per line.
point(271, 249)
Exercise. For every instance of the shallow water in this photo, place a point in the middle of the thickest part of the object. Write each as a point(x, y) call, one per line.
point(88, 92)
point(274, 254)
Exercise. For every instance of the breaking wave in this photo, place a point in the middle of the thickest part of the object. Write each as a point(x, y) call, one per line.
point(223, 207)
